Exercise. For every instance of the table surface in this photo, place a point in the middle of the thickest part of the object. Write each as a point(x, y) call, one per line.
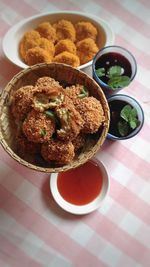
point(34, 231)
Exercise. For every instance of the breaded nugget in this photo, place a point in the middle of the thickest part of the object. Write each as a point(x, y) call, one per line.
point(25, 147)
point(37, 127)
point(86, 50)
point(92, 114)
point(29, 40)
point(46, 82)
point(70, 120)
point(37, 55)
point(47, 97)
point(76, 92)
point(65, 30)
point(84, 30)
point(47, 45)
point(47, 31)
point(58, 151)
point(22, 102)
point(79, 141)
point(67, 58)
point(65, 45)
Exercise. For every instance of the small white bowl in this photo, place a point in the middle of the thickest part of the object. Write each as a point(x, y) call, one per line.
point(81, 209)
point(13, 36)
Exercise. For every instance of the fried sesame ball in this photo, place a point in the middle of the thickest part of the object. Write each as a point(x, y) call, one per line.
point(92, 113)
point(22, 102)
point(79, 141)
point(85, 30)
point(61, 152)
point(46, 82)
point(86, 50)
point(76, 92)
point(29, 40)
point(46, 30)
point(65, 45)
point(67, 58)
point(65, 30)
point(25, 147)
point(37, 55)
point(37, 127)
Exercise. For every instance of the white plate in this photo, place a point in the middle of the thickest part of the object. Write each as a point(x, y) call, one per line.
point(13, 36)
point(81, 209)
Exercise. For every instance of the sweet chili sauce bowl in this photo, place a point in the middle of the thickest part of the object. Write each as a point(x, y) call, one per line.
point(82, 190)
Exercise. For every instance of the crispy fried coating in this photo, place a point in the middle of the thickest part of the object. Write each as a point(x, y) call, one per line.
point(84, 30)
point(70, 120)
point(79, 141)
point(86, 50)
point(22, 101)
point(67, 58)
point(37, 55)
point(92, 113)
point(29, 40)
point(76, 92)
point(25, 147)
point(58, 151)
point(65, 30)
point(65, 45)
point(37, 127)
point(47, 45)
point(47, 31)
point(47, 97)
point(46, 82)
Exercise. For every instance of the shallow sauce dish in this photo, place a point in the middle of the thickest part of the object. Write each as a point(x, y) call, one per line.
point(85, 208)
point(13, 36)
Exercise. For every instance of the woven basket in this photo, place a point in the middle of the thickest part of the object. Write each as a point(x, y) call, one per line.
point(59, 72)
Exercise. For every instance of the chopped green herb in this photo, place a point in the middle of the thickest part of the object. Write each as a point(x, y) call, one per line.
point(128, 120)
point(50, 114)
point(43, 132)
point(84, 92)
point(115, 76)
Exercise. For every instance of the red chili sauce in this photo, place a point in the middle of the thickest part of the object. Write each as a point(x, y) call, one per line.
point(81, 185)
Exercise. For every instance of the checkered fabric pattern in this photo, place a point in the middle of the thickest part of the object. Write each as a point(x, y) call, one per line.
point(34, 231)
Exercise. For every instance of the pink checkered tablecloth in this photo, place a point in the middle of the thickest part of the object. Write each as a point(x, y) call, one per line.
point(34, 231)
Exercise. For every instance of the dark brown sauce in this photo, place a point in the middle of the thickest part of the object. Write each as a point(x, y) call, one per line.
point(112, 59)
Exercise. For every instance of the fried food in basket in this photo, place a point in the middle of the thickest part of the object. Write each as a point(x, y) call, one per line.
point(63, 42)
point(54, 122)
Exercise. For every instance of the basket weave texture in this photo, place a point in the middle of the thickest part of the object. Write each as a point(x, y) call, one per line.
point(59, 72)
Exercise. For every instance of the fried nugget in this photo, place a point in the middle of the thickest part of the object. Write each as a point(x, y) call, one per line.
point(70, 120)
point(92, 114)
point(47, 97)
point(65, 30)
point(47, 45)
point(37, 55)
point(67, 58)
point(37, 127)
point(22, 102)
point(47, 31)
point(84, 30)
point(29, 40)
point(65, 45)
point(58, 151)
point(86, 50)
